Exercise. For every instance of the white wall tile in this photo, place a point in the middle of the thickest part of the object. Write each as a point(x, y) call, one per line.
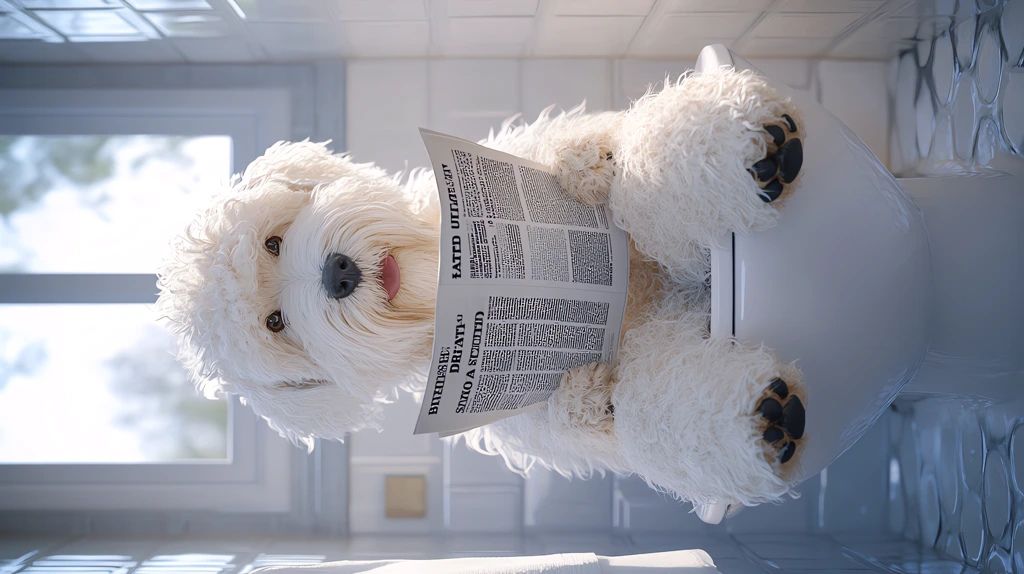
point(387, 103)
point(468, 97)
point(467, 467)
point(552, 502)
point(216, 50)
point(634, 77)
point(791, 516)
point(153, 51)
point(785, 47)
point(638, 508)
point(566, 84)
point(794, 73)
point(485, 509)
point(856, 93)
point(31, 52)
point(396, 440)
point(366, 511)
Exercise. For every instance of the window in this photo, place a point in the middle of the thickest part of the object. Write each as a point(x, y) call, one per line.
point(113, 392)
point(95, 412)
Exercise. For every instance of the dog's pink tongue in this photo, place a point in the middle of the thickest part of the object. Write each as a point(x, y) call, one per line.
point(390, 276)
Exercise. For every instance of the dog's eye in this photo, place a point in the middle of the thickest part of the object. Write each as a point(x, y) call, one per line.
point(273, 245)
point(275, 322)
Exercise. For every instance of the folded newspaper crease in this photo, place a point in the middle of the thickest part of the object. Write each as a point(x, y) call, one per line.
point(531, 283)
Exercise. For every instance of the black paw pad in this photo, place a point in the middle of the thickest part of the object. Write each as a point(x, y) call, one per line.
point(778, 136)
point(770, 409)
point(766, 169)
point(789, 120)
point(794, 417)
point(779, 387)
point(784, 160)
point(791, 159)
point(787, 452)
point(772, 191)
point(773, 435)
point(784, 417)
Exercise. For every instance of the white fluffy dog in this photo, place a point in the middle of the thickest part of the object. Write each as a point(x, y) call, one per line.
point(309, 291)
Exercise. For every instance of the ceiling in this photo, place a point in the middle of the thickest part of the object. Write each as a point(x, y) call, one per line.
point(283, 30)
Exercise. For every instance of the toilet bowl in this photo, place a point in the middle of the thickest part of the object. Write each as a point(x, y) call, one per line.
point(841, 285)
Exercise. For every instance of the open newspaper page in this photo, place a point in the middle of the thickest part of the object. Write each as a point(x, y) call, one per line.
point(532, 283)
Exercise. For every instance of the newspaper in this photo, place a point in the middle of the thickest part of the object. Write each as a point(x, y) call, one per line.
point(532, 283)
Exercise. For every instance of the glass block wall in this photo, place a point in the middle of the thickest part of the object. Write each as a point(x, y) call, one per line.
point(956, 466)
point(961, 467)
point(958, 95)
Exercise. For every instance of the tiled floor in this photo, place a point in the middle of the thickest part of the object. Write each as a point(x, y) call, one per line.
point(732, 554)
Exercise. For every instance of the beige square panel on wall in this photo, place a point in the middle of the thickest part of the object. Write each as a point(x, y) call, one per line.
point(405, 496)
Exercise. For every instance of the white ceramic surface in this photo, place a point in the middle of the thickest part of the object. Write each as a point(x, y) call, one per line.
point(977, 247)
point(841, 285)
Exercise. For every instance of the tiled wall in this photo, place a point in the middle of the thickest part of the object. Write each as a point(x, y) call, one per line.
point(387, 100)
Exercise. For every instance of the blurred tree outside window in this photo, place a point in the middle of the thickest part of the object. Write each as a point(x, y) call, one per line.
point(100, 383)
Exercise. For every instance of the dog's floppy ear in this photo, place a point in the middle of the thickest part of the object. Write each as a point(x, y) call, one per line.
point(303, 164)
point(305, 410)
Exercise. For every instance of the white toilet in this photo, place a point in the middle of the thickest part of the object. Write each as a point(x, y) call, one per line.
point(876, 286)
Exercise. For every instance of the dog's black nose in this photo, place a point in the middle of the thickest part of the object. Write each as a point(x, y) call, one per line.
point(340, 276)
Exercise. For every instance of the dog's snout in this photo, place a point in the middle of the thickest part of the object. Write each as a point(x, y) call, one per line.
point(341, 276)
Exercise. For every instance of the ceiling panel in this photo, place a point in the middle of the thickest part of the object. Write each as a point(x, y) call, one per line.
point(469, 8)
point(378, 10)
point(256, 30)
point(287, 11)
point(383, 39)
point(587, 35)
point(603, 7)
point(796, 25)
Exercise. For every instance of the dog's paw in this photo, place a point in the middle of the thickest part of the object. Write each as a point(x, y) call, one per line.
point(585, 170)
point(782, 418)
point(778, 170)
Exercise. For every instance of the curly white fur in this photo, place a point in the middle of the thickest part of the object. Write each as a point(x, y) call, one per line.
point(328, 371)
point(677, 408)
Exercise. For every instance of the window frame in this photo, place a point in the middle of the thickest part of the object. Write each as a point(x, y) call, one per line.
point(257, 475)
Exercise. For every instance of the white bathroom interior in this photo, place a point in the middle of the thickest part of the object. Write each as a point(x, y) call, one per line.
point(117, 117)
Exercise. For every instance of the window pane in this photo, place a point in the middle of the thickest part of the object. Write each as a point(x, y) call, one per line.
point(99, 383)
point(101, 204)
